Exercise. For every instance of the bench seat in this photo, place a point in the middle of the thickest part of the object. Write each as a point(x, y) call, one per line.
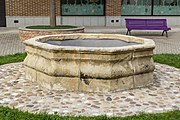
point(146, 24)
point(148, 28)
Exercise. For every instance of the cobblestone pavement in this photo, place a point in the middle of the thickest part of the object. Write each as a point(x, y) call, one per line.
point(163, 95)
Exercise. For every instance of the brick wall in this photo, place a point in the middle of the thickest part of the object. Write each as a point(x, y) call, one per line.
point(41, 7)
point(29, 7)
point(113, 7)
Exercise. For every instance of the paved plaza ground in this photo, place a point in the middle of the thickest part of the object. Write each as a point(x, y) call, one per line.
point(163, 95)
point(10, 43)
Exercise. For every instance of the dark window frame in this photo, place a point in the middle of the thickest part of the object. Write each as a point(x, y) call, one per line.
point(104, 11)
point(152, 11)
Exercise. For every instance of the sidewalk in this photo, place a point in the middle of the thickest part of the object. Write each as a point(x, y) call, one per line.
point(10, 43)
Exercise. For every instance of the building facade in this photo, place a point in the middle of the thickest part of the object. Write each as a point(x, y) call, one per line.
point(16, 13)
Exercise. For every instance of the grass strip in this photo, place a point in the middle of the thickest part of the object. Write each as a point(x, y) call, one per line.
point(15, 114)
point(49, 27)
point(168, 59)
point(19, 57)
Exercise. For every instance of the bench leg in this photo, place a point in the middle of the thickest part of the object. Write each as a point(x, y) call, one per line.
point(163, 32)
point(166, 34)
point(128, 32)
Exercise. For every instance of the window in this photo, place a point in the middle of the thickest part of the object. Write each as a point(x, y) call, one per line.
point(166, 7)
point(136, 7)
point(82, 7)
point(150, 7)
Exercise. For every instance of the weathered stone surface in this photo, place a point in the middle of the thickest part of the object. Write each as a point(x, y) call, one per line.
point(90, 69)
point(57, 83)
point(94, 85)
point(143, 65)
point(143, 79)
point(30, 74)
point(123, 83)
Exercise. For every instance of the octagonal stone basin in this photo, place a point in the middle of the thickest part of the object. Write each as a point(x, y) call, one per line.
point(89, 62)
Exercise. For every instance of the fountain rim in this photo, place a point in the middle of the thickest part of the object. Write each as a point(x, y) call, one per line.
point(144, 43)
point(51, 30)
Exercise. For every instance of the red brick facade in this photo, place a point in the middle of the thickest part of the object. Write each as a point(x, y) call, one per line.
point(29, 7)
point(41, 7)
point(113, 7)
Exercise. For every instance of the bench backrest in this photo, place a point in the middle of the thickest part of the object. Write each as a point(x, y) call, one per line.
point(130, 23)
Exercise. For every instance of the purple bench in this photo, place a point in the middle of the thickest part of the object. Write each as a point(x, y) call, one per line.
point(146, 24)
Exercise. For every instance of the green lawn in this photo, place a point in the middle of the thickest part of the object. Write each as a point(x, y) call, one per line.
point(169, 59)
point(12, 58)
point(49, 27)
point(14, 114)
